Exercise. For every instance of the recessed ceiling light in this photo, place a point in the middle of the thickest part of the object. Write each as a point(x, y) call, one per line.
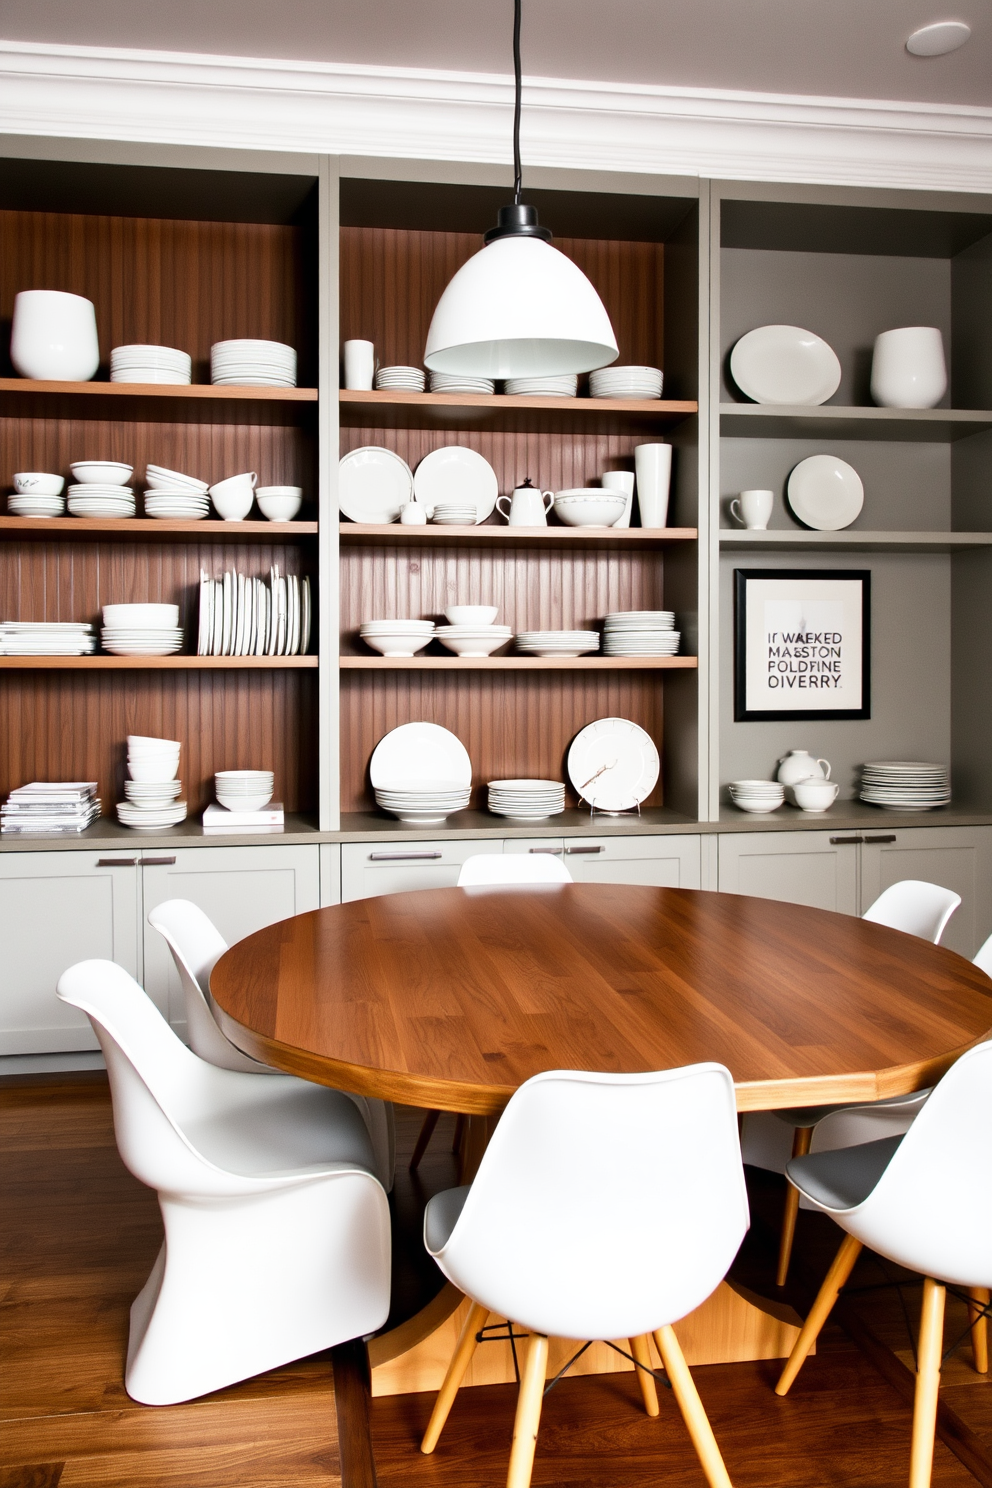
point(939, 39)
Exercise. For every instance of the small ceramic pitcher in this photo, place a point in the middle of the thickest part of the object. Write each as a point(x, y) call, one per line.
point(528, 507)
point(798, 765)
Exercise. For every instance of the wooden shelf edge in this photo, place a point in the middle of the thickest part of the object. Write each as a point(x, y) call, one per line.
point(151, 528)
point(846, 538)
point(498, 401)
point(518, 663)
point(153, 663)
point(385, 532)
point(868, 412)
point(180, 392)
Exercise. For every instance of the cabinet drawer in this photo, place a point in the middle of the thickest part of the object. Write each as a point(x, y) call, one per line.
point(670, 862)
point(371, 868)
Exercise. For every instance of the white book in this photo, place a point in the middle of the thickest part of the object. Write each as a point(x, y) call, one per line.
point(219, 816)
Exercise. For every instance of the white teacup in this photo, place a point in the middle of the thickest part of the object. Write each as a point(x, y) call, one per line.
point(412, 514)
point(815, 795)
point(752, 509)
point(359, 365)
point(233, 497)
point(53, 336)
point(528, 507)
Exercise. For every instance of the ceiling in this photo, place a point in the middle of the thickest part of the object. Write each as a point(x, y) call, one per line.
point(829, 48)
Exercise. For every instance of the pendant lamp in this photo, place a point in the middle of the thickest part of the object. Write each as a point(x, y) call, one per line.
point(519, 308)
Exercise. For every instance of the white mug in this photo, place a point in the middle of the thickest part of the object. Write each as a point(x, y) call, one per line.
point(622, 481)
point(908, 368)
point(233, 497)
point(359, 365)
point(528, 507)
point(53, 336)
point(653, 467)
point(815, 795)
point(752, 509)
point(412, 514)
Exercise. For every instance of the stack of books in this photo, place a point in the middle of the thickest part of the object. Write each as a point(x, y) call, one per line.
point(51, 806)
point(219, 819)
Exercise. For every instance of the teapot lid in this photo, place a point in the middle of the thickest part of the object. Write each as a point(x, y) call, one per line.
point(526, 484)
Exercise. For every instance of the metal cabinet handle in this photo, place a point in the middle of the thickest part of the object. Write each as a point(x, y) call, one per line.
point(401, 857)
point(157, 862)
point(889, 837)
point(117, 862)
point(845, 841)
point(549, 851)
point(573, 850)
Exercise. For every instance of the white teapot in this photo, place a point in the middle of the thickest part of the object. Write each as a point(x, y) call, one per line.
point(798, 765)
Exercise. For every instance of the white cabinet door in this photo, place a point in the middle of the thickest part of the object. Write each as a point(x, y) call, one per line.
point(57, 908)
point(661, 862)
point(241, 888)
point(819, 869)
point(372, 868)
point(958, 858)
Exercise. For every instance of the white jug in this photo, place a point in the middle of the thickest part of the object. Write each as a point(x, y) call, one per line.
point(798, 765)
point(528, 507)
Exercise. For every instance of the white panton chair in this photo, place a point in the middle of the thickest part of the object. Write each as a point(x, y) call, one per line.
point(277, 1233)
point(921, 909)
point(605, 1206)
point(924, 1201)
point(197, 945)
point(506, 869)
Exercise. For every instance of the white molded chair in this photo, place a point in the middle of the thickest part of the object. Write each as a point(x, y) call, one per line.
point(916, 908)
point(924, 1201)
point(507, 869)
point(277, 1234)
point(606, 1206)
point(197, 945)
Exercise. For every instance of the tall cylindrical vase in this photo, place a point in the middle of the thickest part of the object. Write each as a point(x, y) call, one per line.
point(653, 468)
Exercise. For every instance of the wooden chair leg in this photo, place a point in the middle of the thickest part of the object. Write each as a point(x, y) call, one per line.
point(927, 1383)
point(460, 1360)
point(979, 1328)
point(426, 1132)
point(800, 1146)
point(528, 1417)
point(835, 1278)
point(692, 1410)
point(649, 1390)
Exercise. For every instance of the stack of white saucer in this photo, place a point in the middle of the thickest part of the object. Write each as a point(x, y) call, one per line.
point(640, 633)
point(454, 514)
point(249, 363)
point(558, 643)
point(405, 379)
point(141, 629)
point(456, 382)
point(37, 495)
point(46, 638)
point(526, 800)
point(397, 637)
point(905, 785)
point(542, 387)
point(95, 499)
point(625, 382)
point(423, 805)
point(757, 796)
point(172, 495)
point(161, 364)
point(153, 790)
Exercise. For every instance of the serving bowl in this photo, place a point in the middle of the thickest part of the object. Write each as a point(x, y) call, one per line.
point(590, 507)
point(102, 472)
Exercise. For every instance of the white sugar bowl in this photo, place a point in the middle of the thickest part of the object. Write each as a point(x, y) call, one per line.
point(798, 765)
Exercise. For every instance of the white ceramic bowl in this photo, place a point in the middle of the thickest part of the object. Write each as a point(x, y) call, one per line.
point(483, 643)
point(243, 779)
point(908, 368)
point(149, 772)
point(104, 472)
point(233, 497)
point(279, 503)
point(53, 336)
point(471, 614)
point(142, 617)
point(38, 483)
point(154, 740)
point(398, 642)
point(589, 508)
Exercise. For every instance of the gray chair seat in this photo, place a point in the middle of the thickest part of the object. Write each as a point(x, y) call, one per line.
point(441, 1216)
point(843, 1178)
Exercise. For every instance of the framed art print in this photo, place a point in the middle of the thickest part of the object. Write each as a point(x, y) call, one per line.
point(802, 644)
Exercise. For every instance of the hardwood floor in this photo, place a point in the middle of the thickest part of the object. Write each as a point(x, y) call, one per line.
point(79, 1235)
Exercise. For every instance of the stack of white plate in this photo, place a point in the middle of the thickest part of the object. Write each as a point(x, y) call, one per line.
point(422, 805)
point(542, 387)
point(97, 500)
point(905, 785)
point(162, 364)
point(448, 514)
point(640, 633)
point(30, 504)
point(526, 800)
point(248, 363)
point(141, 629)
point(421, 773)
point(758, 796)
point(473, 640)
point(179, 505)
point(153, 790)
point(46, 638)
point(405, 379)
point(397, 637)
point(455, 382)
point(158, 478)
point(625, 382)
point(244, 790)
point(560, 643)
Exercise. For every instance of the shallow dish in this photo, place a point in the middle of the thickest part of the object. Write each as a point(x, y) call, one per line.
point(784, 364)
point(613, 764)
point(825, 493)
point(590, 508)
point(101, 472)
point(456, 476)
point(373, 483)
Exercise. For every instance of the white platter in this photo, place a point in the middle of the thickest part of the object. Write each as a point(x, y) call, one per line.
point(613, 764)
point(825, 493)
point(420, 754)
point(785, 364)
point(373, 484)
point(459, 476)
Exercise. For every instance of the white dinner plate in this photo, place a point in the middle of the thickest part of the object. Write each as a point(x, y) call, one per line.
point(373, 484)
point(420, 754)
point(825, 493)
point(613, 764)
point(459, 476)
point(785, 364)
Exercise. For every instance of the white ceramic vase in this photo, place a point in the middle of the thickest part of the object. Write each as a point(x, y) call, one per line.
point(908, 368)
point(53, 336)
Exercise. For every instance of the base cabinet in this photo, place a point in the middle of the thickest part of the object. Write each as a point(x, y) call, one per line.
point(958, 858)
point(664, 862)
point(372, 868)
point(818, 869)
point(57, 909)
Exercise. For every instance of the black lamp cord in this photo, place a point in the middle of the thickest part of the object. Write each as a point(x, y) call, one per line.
point(517, 90)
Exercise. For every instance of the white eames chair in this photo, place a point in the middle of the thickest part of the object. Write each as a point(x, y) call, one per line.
point(503, 870)
point(277, 1233)
point(924, 1201)
point(197, 945)
point(916, 908)
point(605, 1207)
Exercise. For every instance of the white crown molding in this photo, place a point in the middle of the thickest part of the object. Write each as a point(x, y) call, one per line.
point(180, 98)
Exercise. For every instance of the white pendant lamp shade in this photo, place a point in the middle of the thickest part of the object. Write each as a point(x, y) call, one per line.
point(519, 308)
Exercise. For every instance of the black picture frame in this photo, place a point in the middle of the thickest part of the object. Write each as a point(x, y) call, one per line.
point(743, 577)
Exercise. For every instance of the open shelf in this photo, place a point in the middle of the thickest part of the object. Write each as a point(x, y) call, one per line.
point(151, 530)
point(853, 540)
point(399, 410)
point(156, 403)
point(172, 392)
point(519, 663)
point(484, 535)
point(774, 421)
point(154, 663)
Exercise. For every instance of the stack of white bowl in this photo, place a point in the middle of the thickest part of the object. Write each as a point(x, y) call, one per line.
point(471, 632)
point(162, 364)
point(141, 629)
point(454, 514)
point(558, 643)
point(172, 496)
point(456, 382)
point(758, 796)
point(566, 386)
point(626, 382)
point(247, 363)
point(37, 494)
point(100, 490)
point(589, 506)
point(423, 805)
point(153, 790)
point(640, 633)
point(397, 637)
point(244, 790)
point(403, 379)
point(526, 800)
